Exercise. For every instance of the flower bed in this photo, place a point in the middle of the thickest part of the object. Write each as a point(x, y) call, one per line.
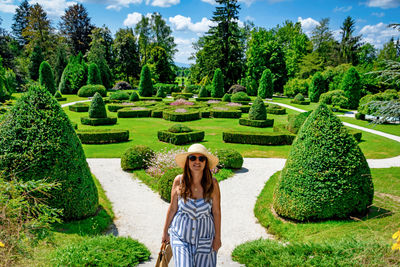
point(135, 112)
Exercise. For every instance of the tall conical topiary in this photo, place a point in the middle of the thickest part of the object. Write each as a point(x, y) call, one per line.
point(97, 107)
point(266, 87)
point(217, 84)
point(351, 85)
point(38, 142)
point(145, 85)
point(257, 110)
point(46, 77)
point(35, 59)
point(203, 92)
point(94, 74)
point(317, 87)
point(326, 175)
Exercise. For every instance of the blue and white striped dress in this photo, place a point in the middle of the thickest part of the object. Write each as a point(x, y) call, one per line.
point(192, 232)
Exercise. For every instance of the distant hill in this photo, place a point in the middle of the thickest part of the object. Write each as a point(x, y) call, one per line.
point(182, 65)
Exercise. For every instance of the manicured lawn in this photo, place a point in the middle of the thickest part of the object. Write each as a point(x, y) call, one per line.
point(386, 128)
point(369, 237)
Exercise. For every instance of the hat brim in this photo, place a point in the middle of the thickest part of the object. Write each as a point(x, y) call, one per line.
point(181, 159)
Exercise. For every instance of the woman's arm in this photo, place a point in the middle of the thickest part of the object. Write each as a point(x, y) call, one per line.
point(173, 207)
point(216, 211)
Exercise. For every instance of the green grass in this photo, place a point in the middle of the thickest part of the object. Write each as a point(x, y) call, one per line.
point(386, 128)
point(376, 228)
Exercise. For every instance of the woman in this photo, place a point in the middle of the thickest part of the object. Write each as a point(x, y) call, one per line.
point(193, 223)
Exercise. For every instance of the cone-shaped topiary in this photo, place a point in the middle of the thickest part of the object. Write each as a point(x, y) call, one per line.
point(97, 107)
point(226, 98)
point(351, 85)
point(203, 92)
point(317, 87)
point(38, 142)
point(326, 175)
point(134, 97)
point(266, 87)
point(257, 110)
point(145, 85)
point(217, 84)
point(57, 94)
point(160, 92)
point(94, 75)
point(46, 77)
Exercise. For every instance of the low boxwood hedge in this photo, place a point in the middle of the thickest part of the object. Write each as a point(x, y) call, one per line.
point(116, 107)
point(180, 138)
point(79, 107)
point(61, 99)
point(229, 159)
point(103, 136)
point(156, 113)
point(205, 113)
point(241, 102)
point(151, 98)
point(89, 90)
point(188, 95)
point(299, 102)
point(178, 116)
point(258, 138)
point(133, 113)
point(256, 123)
point(98, 121)
point(244, 108)
point(275, 109)
point(205, 99)
point(230, 114)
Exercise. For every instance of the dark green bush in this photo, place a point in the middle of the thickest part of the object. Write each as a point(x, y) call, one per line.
point(217, 84)
point(136, 157)
point(226, 98)
point(94, 77)
point(295, 121)
point(35, 59)
point(134, 97)
point(161, 92)
point(165, 183)
point(300, 100)
point(258, 138)
point(46, 77)
point(299, 97)
point(79, 107)
point(97, 107)
point(156, 113)
point(360, 116)
point(72, 78)
point(266, 87)
point(257, 110)
point(180, 138)
point(90, 90)
point(326, 175)
point(229, 114)
point(103, 136)
point(177, 116)
point(317, 87)
point(296, 86)
point(229, 159)
point(275, 109)
point(203, 92)
point(192, 88)
point(240, 97)
point(244, 108)
point(101, 250)
point(119, 95)
point(145, 85)
point(185, 95)
point(256, 123)
point(204, 99)
point(132, 113)
point(351, 85)
point(98, 121)
point(38, 126)
point(179, 128)
point(205, 113)
point(326, 98)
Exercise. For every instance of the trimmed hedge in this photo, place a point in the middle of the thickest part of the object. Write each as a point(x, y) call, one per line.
point(156, 113)
point(356, 134)
point(188, 95)
point(97, 107)
point(257, 110)
point(229, 114)
point(142, 98)
point(298, 102)
point(136, 157)
point(98, 121)
point(103, 136)
point(129, 113)
point(119, 95)
point(177, 116)
point(180, 138)
point(134, 97)
point(181, 97)
point(256, 123)
point(244, 108)
point(90, 90)
point(116, 107)
point(205, 99)
point(258, 138)
point(240, 97)
point(205, 113)
point(226, 98)
point(275, 109)
point(79, 107)
point(360, 116)
point(229, 159)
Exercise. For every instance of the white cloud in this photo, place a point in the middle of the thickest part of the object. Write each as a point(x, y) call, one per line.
point(53, 7)
point(385, 4)
point(378, 34)
point(337, 34)
point(133, 18)
point(246, 2)
point(308, 24)
point(378, 14)
point(7, 6)
point(343, 9)
point(211, 2)
point(182, 23)
point(250, 18)
point(118, 4)
point(165, 3)
point(185, 49)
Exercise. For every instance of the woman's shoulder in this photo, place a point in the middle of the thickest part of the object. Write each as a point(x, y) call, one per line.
point(178, 179)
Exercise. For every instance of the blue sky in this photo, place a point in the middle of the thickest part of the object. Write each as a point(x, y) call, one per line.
point(189, 19)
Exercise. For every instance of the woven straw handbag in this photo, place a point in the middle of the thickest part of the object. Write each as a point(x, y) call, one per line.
point(164, 256)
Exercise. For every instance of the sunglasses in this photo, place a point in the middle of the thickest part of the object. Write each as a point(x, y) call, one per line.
point(193, 158)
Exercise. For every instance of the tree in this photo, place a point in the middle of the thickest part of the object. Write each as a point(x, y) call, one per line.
point(158, 62)
point(389, 51)
point(145, 85)
point(324, 44)
point(367, 54)
point(266, 87)
point(103, 36)
point(317, 87)
point(94, 74)
point(60, 63)
point(351, 86)
point(75, 25)
point(126, 53)
point(310, 64)
point(217, 84)
point(46, 77)
point(6, 48)
point(3, 84)
point(143, 29)
point(36, 59)
point(22, 12)
point(162, 35)
point(349, 44)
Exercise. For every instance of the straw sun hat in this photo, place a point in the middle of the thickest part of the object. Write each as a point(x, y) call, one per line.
point(193, 149)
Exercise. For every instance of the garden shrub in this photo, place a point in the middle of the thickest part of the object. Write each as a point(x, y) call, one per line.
point(156, 113)
point(150, 98)
point(79, 107)
point(180, 138)
point(257, 110)
point(35, 59)
point(295, 121)
point(135, 112)
point(240, 97)
point(296, 86)
point(266, 87)
point(145, 85)
point(190, 115)
point(161, 92)
point(192, 88)
point(73, 77)
point(387, 95)
point(203, 92)
point(257, 138)
point(179, 128)
point(217, 84)
point(38, 126)
point(46, 77)
point(317, 87)
point(136, 157)
point(229, 159)
point(90, 90)
point(299, 97)
point(134, 97)
point(116, 107)
point(184, 95)
point(103, 136)
point(205, 113)
point(166, 181)
point(228, 114)
point(326, 98)
point(226, 98)
point(107, 250)
point(326, 176)
point(275, 109)
point(97, 107)
point(94, 77)
point(256, 123)
point(119, 95)
point(98, 121)
point(204, 99)
point(244, 108)
point(351, 85)
point(122, 85)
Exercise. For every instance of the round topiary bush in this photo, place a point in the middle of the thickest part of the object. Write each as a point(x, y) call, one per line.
point(90, 90)
point(145, 84)
point(240, 96)
point(108, 250)
point(51, 150)
point(299, 97)
point(122, 85)
point(46, 77)
point(326, 176)
point(97, 107)
point(229, 159)
point(179, 128)
point(94, 75)
point(257, 110)
point(226, 98)
point(165, 183)
point(119, 95)
point(134, 97)
point(136, 157)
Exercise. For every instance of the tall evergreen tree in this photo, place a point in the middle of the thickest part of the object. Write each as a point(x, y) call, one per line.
point(351, 85)
point(94, 74)
point(389, 51)
point(36, 59)
point(60, 63)
point(349, 44)
point(22, 12)
point(143, 30)
point(126, 53)
point(76, 26)
point(324, 43)
point(145, 85)
point(162, 35)
point(266, 87)
point(158, 62)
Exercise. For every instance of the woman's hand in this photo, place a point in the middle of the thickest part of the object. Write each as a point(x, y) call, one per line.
point(216, 244)
point(165, 238)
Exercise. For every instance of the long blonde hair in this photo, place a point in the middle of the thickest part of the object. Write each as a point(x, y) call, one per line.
point(206, 182)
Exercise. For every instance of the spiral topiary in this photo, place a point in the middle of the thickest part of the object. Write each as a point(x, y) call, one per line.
point(257, 110)
point(97, 107)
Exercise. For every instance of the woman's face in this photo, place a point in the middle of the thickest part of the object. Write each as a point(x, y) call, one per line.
point(197, 162)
